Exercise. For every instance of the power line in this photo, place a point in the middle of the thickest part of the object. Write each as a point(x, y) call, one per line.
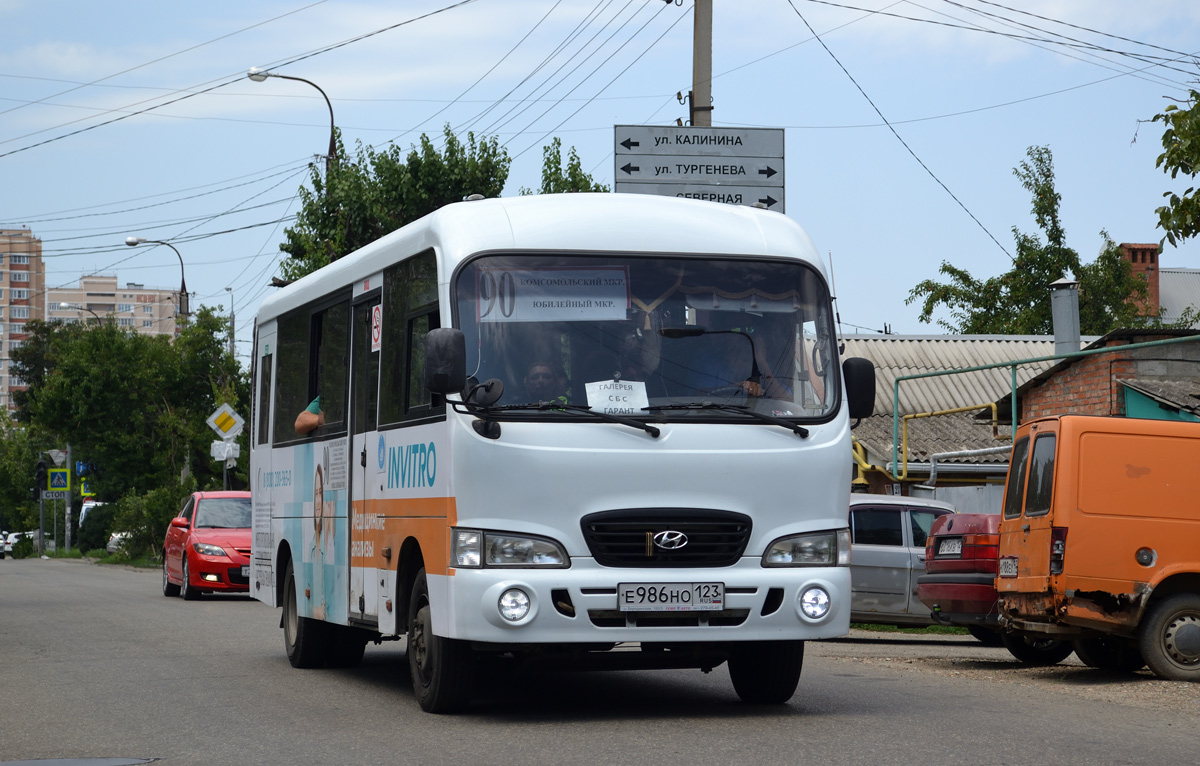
point(893, 130)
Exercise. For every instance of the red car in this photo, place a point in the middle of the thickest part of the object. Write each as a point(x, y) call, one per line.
point(207, 547)
point(959, 585)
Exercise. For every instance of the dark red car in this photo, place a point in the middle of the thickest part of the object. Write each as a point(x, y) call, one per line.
point(207, 547)
point(959, 585)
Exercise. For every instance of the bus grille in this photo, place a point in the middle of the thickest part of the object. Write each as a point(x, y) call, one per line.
point(625, 538)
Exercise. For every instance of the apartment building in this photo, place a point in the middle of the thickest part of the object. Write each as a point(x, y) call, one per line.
point(146, 310)
point(22, 284)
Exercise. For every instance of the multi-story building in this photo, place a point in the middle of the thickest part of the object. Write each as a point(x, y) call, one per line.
point(149, 311)
point(22, 286)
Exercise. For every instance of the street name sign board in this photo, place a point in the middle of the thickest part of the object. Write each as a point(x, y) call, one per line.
point(738, 166)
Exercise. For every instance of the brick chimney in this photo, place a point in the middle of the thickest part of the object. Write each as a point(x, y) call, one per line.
point(1144, 260)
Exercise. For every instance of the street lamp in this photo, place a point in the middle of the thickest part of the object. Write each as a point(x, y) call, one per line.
point(183, 294)
point(259, 75)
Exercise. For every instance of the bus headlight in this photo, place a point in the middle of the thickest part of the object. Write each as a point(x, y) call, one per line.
point(816, 549)
point(474, 548)
point(513, 604)
point(814, 602)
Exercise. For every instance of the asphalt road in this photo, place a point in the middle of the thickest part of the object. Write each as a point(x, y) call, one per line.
point(97, 664)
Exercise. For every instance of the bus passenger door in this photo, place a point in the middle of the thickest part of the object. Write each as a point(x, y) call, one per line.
point(364, 371)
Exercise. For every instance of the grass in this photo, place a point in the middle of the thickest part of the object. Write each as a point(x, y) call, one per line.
point(930, 630)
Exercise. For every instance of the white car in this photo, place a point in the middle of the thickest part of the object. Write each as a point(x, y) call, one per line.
point(5, 544)
point(116, 542)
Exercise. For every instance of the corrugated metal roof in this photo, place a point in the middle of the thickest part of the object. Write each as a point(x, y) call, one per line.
point(929, 436)
point(1178, 289)
point(896, 356)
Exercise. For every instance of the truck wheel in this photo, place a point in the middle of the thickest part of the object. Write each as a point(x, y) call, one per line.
point(986, 636)
point(1109, 653)
point(1170, 638)
point(1036, 651)
point(766, 672)
point(306, 641)
point(442, 669)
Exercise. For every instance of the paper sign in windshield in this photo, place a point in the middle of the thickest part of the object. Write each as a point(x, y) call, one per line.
point(617, 397)
point(552, 295)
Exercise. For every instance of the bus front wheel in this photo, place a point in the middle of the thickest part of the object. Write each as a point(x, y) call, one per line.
point(306, 641)
point(442, 669)
point(766, 672)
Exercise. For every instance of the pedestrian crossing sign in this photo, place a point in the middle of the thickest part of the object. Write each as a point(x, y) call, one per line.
point(58, 478)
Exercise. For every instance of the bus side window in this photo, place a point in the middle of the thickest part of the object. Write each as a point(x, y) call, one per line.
point(410, 311)
point(312, 361)
point(263, 410)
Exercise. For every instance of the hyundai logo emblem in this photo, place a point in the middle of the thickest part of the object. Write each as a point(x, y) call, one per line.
point(670, 540)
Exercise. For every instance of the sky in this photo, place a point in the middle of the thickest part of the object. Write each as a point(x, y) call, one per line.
point(903, 122)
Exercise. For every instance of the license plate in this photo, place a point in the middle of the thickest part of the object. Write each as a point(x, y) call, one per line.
point(951, 546)
point(1008, 567)
point(671, 596)
point(246, 571)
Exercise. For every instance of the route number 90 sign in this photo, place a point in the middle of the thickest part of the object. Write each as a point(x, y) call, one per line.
point(552, 295)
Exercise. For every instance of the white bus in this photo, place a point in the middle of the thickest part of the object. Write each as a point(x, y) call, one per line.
point(580, 430)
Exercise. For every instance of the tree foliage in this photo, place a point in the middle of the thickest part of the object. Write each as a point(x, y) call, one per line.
point(134, 405)
point(1180, 217)
point(559, 180)
point(1018, 301)
point(376, 192)
point(18, 457)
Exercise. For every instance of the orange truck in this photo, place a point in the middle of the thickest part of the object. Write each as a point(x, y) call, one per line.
point(1100, 540)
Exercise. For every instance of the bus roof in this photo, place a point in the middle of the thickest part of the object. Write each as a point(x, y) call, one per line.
point(635, 223)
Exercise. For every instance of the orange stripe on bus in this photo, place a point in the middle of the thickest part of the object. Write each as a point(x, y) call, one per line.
point(376, 525)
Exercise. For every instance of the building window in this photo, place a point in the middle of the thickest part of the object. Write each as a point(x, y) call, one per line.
point(20, 312)
point(16, 328)
point(1, 312)
point(18, 259)
point(147, 309)
point(1, 276)
point(13, 380)
point(53, 306)
point(15, 344)
point(147, 323)
point(19, 295)
point(123, 307)
point(20, 276)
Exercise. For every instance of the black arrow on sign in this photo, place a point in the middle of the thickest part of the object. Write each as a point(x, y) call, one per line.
point(631, 168)
point(770, 171)
point(629, 143)
point(769, 200)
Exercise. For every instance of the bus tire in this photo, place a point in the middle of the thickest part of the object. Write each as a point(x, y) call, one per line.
point(346, 646)
point(1170, 638)
point(1109, 653)
point(1032, 650)
point(766, 672)
point(306, 641)
point(442, 669)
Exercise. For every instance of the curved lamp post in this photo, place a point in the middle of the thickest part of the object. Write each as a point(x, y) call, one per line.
point(259, 75)
point(183, 294)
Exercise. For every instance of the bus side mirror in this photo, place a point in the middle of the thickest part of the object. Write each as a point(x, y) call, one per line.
point(445, 361)
point(860, 387)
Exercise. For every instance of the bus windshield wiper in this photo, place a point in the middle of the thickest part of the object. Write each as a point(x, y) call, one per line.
point(560, 406)
point(739, 408)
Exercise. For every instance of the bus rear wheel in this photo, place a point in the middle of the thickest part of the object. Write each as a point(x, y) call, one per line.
point(1170, 638)
point(306, 641)
point(766, 672)
point(442, 669)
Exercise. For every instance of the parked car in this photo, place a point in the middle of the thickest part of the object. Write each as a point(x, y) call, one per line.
point(207, 546)
point(959, 586)
point(887, 535)
point(10, 538)
point(116, 542)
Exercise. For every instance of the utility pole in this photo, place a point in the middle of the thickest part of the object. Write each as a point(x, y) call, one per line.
point(701, 95)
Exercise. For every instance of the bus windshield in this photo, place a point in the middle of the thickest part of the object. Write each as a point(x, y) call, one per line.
point(649, 336)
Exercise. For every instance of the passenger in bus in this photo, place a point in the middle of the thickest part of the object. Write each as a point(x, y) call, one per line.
point(310, 418)
point(545, 382)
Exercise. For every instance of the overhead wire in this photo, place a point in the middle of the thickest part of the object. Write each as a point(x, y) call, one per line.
point(897, 134)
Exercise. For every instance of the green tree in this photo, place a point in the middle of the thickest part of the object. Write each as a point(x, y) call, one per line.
point(559, 180)
point(133, 404)
point(376, 192)
point(19, 452)
point(1018, 301)
point(1180, 217)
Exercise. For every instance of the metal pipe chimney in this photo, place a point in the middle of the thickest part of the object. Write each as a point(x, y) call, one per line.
point(1064, 309)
